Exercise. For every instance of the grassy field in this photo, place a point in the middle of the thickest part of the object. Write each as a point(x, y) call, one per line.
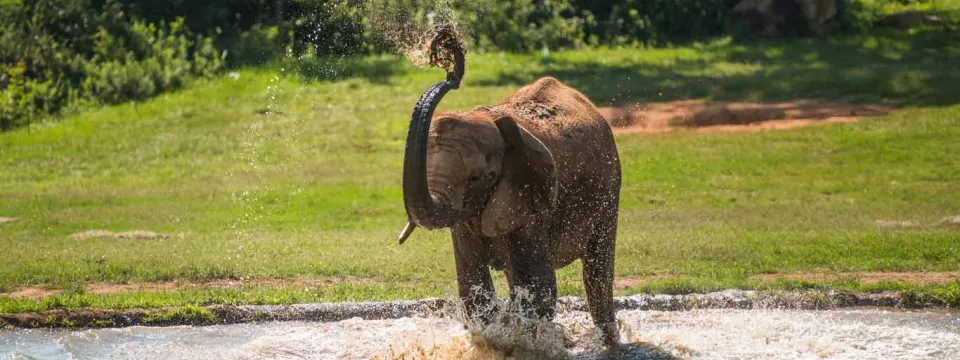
point(292, 171)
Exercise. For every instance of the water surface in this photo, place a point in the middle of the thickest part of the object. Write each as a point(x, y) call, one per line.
point(697, 334)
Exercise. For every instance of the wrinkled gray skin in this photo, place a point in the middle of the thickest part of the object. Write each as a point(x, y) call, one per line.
point(526, 187)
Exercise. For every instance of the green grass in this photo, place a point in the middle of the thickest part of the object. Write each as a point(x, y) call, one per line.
point(293, 171)
point(939, 295)
point(889, 7)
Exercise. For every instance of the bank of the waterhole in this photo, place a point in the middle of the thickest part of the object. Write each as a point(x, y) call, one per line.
point(434, 307)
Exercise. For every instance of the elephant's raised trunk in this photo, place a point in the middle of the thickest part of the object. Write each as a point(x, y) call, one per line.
point(422, 208)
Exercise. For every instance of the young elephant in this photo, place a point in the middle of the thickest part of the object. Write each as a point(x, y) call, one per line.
point(526, 187)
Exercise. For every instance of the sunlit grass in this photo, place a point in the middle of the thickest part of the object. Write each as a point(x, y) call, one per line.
point(916, 295)
point(293, 170)
point(887, 7)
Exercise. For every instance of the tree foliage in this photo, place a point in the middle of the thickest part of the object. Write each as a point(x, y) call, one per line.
point(55, 54)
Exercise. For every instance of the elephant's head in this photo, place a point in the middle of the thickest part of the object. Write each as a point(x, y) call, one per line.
point(472, 164)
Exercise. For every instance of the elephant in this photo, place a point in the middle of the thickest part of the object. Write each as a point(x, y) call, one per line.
point(526, 186)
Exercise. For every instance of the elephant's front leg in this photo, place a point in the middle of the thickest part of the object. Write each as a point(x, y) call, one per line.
point(472, 257)
point(531, 272)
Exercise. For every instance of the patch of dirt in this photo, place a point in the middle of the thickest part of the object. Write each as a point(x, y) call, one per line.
point(872, 277)
point(140, 234)
point(950, 221)
point(626, 282)
point(730, 117)
point(32, 293)
point(7, 220)
point(89, 234)
point(620, 282)
point(103, 288)
point(897, 224)
point(135, 234)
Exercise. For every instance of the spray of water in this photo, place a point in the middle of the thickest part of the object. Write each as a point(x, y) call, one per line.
point(509, 335)
point(408, 30)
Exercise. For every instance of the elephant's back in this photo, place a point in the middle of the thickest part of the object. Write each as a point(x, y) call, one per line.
point(553, 105)
point(569, 124)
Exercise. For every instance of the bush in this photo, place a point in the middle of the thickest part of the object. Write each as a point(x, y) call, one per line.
point(523, 24)
point(653, 22)
point(324, 27)
point(254, 46)
point(520, 25)
point(57, 52)
point(23, 97)
point(54, 53)
point(150, 59)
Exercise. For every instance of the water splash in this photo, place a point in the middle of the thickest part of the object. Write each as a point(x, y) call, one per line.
point(509, 334)
point(694, 334)
point(408, 30)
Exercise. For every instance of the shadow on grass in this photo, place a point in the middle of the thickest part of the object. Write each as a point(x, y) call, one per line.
point(376, 69)
point(918, 68)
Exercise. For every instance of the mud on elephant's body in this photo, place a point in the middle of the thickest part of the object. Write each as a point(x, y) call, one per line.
point(527, 187)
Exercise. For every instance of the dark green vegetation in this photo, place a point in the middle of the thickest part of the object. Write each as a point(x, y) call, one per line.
point(293, 171)
point(62, 56)
point(56, 54)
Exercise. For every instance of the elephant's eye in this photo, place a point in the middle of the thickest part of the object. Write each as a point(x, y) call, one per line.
point(474, 178)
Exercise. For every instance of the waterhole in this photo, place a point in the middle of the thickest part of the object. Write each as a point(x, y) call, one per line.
point(695, 334)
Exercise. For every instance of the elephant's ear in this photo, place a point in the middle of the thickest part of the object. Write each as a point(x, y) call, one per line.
point(528, 182)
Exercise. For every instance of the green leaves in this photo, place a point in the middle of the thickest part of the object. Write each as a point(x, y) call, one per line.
point(60, 53)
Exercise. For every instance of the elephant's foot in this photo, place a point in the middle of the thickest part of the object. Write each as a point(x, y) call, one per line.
point(479, 318)
point(534, 303)
point(479, 309)
point(611, 336)
point(483, 316)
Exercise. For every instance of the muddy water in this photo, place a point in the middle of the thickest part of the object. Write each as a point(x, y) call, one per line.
point(697, 334)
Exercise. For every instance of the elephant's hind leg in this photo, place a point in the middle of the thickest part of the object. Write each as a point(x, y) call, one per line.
point(598, 273)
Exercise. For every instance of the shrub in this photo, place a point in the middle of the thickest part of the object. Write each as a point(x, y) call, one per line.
point(57, 52)
point(22, 97)
point(330, 27)
point(522, 24)
point(254, 46)
point(150, 59)
point(653, 22)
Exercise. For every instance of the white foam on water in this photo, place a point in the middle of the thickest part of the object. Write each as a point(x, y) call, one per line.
point(510, 333)
point(784, 334)
point(697, 334)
